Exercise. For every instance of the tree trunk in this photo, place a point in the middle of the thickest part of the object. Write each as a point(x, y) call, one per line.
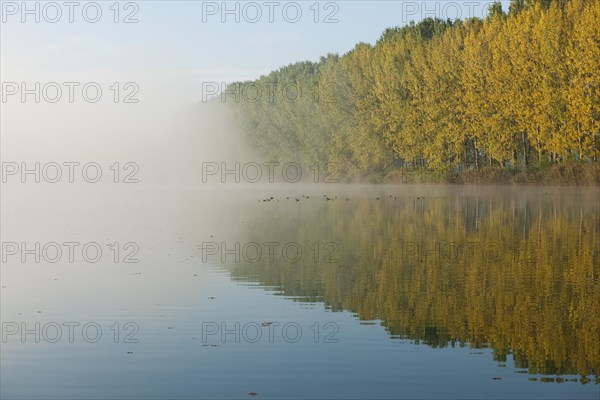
point(476, 154)
point(525, 150)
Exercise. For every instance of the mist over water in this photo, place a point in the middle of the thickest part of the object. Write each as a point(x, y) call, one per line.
point(150, 251)
point(461, 283)
point(167, 142)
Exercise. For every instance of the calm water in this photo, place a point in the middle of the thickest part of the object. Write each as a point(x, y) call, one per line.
point(397, 292)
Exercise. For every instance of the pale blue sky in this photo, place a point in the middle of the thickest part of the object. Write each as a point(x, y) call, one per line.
point(172, 35)
point(176, 46)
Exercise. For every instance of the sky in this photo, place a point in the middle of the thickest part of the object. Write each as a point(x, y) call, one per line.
point(190, 42)
point(149, 61)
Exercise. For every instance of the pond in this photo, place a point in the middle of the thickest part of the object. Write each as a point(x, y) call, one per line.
point(301, 291)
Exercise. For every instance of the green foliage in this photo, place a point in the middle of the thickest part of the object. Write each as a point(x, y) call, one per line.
point(514, 90)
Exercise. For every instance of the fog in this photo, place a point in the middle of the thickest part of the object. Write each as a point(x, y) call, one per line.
point(130, 201)
point(166, 137)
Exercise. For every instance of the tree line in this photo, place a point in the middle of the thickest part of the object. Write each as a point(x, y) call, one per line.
point(519, 89)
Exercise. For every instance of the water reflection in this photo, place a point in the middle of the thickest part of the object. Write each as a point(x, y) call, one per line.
point(515, 271)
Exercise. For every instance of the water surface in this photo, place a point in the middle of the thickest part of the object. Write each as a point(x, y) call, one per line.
point(379, 292)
